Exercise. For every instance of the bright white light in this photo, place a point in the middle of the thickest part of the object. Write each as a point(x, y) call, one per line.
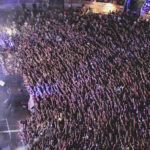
point(10, 131)
point(60, 119)
point(2, 83)
point(25, 24)
point(10, 31)
point(104, 8)
point(21, 148)
point(109, 8)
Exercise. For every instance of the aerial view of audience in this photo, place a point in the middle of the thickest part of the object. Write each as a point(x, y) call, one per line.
point(89, 78)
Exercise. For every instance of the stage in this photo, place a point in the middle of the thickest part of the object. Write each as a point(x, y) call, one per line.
point(95, 7)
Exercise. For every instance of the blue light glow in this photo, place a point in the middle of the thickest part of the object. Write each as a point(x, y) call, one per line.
point(42, 90)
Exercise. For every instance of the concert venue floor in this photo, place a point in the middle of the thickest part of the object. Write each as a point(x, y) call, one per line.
point(13, 104)
point(13, 107)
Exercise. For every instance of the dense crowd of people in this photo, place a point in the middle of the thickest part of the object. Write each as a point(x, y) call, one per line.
point(89, 78)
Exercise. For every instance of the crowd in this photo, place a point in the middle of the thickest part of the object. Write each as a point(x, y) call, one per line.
point(89, 78)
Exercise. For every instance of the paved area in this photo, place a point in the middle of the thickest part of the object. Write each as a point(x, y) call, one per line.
point(13, 107)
